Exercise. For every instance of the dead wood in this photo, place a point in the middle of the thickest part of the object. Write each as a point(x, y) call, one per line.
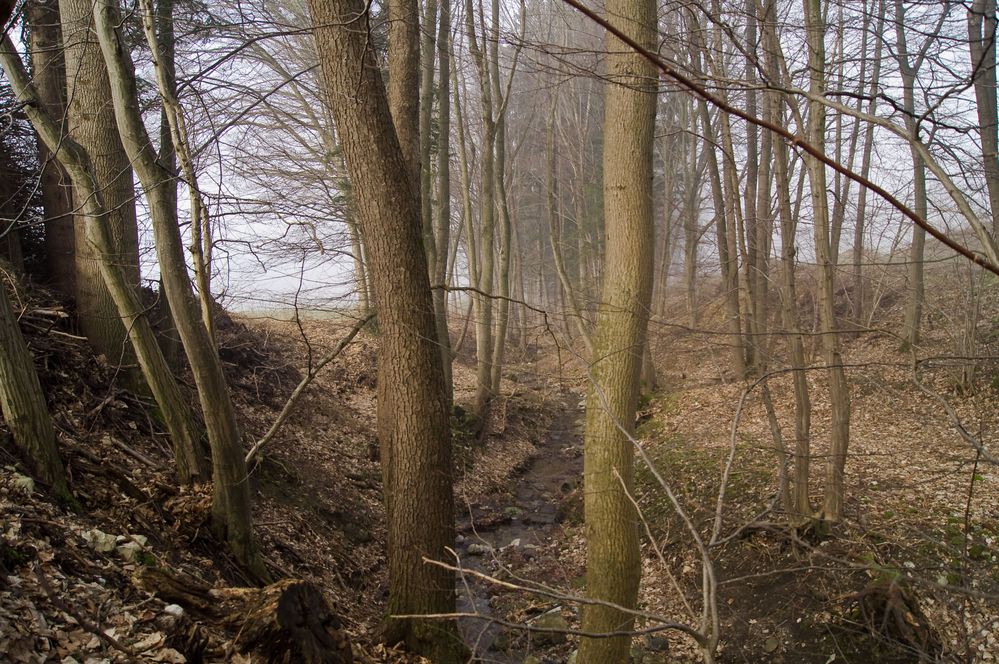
point(288, 621)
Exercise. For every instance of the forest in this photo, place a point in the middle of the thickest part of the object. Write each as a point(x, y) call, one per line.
point(520, 331)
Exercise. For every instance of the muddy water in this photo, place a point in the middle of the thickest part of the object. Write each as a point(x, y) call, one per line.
point(526, 523)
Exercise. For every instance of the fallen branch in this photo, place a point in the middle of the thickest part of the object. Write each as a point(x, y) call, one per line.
point(83, 622)
point(543, 591)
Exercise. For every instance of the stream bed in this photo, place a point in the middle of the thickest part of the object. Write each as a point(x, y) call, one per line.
point(525, 523)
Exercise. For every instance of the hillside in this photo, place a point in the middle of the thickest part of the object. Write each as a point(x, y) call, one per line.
point(909, 573)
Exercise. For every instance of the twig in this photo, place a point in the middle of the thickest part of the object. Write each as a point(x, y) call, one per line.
point(562, 597)
point(83, 622)
point(135, 454)
point(655, 546)
point(300, 389)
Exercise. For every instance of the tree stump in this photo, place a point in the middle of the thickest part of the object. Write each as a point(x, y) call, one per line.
point(283, 623)
point(289, 621)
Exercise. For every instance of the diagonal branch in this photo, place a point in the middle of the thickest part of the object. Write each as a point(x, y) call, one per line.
point(796, 141)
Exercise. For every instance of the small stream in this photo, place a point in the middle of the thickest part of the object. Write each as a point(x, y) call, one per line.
point(527, 522)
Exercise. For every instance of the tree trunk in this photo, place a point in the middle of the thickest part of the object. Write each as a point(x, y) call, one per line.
point(412, 408)
point(502, 208)
point(426, 87)
point(442, 222)
point(76, 161)
point(613, 562)
point(839, 396)
point(800, 505)
point(231, 509)
point(23, 403)
point(729, 267)
point(909, 70)
point(91, 124)
point(487, 206)
point(982, 26)
point(555, 228)
point(49, 75)
point(857, 257)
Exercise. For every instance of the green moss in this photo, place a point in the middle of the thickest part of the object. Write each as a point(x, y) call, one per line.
point(145, 559)
point(12, 557)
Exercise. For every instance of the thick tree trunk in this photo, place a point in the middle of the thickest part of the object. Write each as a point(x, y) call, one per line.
point(404, 82)
point(613, 562)
point(23, 403)
point(91, 124)
point(417, 470)
point(49, 75)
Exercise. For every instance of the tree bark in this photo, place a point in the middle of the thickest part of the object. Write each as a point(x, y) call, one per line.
point(23, 403)
point(91, 124)
point(613, 562)
point(412, 407)
point(48, 72)
point(404, 82)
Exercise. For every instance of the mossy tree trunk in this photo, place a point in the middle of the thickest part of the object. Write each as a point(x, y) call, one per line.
point(23, 403)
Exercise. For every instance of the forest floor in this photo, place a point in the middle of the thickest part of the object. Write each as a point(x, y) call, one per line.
point(910, 573)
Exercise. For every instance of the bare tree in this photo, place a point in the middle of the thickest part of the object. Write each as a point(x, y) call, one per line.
point(231, 507)
point(839, 395)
